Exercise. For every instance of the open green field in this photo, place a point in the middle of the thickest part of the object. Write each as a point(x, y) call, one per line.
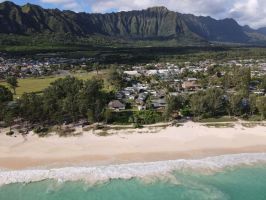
point(39, 84)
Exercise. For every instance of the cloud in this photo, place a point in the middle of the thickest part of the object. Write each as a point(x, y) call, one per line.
point(65, 4)
point(249, 12)
point(199, 7)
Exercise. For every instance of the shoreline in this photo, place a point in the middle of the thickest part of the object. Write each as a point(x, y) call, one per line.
point(190, 141)
point(160, 169)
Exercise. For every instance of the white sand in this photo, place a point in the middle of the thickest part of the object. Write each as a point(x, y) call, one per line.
point(192, 140)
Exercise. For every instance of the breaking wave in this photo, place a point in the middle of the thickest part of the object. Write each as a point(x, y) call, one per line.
point(128, 171)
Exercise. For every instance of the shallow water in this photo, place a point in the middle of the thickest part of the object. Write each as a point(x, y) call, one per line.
point(241, 183)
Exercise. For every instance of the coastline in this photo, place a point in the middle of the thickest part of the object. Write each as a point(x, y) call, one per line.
point(160, 169)
point(190, 141)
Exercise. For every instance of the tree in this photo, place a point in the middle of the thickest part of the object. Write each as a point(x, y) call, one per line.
point(5, 94)
point(226, 81)
point(174, 103)
point(242, 78)
point(61, 100)
point(5, 97)
point(114, 78)
point(215, 102)
point(197, 104)
point(210, 103)
point(9, 119)
point(90, 116)
point(135, 119)
point(263, 83)
point(96, 67)
point(12, 82)
point(91, 91)
point(252, 104)
point(108, 114)
point(31, 107)
point(261, 105)
point(239, 104)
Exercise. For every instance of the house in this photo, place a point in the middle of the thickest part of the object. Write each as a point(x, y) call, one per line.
point(151, 72)
point(190, 85)
point(159, 103)
point(140, 87)
point(141, 107)
point(132, 73)
point(119, 95)
point(116, 105)
point(131, 97)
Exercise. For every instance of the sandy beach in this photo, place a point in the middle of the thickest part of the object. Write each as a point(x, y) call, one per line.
point(192, 140)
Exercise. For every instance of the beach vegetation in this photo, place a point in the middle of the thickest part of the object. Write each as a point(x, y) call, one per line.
point(41, 131)
point(261, 105)
point(102, 133)
point(10, 133)
point(5, 94)
point(209, 103)
point(220, 125)
point(146, 117)
point(176, 104)
point(66, 131)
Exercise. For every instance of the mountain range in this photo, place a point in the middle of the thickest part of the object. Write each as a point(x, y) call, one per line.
point(156, 23)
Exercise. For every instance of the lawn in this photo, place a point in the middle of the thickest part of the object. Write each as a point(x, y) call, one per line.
point(39, 84)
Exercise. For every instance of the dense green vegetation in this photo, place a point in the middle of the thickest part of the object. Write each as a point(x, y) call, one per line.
point(233, 98)
point(136, 55)
point(65, 100)
point(69, 100)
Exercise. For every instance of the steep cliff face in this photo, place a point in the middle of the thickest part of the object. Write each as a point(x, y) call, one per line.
point(153, 23)
point(226, 30)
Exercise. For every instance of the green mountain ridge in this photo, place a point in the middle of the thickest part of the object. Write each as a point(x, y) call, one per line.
point(157, 23)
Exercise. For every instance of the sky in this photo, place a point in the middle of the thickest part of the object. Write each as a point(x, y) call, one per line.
point(246, 12)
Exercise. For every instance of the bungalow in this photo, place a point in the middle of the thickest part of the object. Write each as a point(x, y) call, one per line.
point(143, 96)
point(132, 97)
point(159, 103)
point(116, 105)
point(190, 85)
point(132, 73)
point(151, 72)
point(119, 95)
point(141, 107)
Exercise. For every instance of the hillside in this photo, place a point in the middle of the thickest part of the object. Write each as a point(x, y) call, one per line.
point(156, 24)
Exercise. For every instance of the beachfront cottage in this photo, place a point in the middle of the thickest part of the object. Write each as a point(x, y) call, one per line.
point(116, 105)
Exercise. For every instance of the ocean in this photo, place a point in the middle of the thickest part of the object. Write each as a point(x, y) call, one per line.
point(245, 180)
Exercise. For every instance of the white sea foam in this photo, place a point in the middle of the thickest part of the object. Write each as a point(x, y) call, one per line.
point(128, 171)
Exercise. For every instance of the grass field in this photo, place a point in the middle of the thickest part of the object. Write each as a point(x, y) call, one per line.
point(39, 84)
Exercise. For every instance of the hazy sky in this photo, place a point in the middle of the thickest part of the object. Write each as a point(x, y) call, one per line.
point(251, 12)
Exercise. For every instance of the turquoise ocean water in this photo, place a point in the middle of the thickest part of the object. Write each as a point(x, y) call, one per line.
point(241, 183)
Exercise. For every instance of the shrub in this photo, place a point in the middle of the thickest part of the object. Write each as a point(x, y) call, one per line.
point(10, 133)
point(66, 132)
